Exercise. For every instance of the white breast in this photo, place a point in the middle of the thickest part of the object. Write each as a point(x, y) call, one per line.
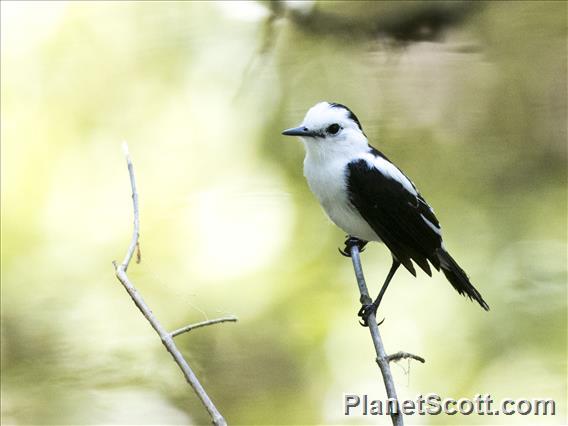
point(328, 181)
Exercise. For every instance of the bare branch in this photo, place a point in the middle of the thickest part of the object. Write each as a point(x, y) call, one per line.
point(404, 355)
point(382, 358)
point(136, 228)
point(190, 327)
point(166, 338)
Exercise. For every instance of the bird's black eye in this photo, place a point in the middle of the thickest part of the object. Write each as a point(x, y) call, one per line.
point(333, 129)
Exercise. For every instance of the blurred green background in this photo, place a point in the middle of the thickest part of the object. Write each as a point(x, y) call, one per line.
point(471, 105)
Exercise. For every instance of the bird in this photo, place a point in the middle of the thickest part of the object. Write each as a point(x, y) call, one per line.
point(371, 199)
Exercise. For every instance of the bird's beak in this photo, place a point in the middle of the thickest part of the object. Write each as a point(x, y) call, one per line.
point(298, 131)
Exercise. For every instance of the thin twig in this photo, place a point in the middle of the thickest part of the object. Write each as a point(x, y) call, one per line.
point(136, 228)
point(404, 355)
point(202, 324)
point(167, 339)
point(382, 357)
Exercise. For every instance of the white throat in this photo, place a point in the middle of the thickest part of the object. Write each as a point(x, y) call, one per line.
point(325, 169)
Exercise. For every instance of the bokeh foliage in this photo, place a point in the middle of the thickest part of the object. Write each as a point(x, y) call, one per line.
point(476, 114)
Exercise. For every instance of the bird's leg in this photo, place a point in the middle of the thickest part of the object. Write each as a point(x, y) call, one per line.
point(352, 242)
point(367, 309)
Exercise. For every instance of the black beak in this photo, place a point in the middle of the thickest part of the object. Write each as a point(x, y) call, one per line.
point(298, 131)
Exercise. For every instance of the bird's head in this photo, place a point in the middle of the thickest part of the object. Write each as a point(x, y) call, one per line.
point(330, 127)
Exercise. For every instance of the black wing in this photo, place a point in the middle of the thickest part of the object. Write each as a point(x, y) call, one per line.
point(402, 219)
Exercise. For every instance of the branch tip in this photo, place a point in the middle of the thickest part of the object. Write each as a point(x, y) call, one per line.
point(125, 149)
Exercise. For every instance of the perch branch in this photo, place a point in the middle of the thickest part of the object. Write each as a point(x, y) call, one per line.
point(383, 359)
point(166, 338)
point(202, 324)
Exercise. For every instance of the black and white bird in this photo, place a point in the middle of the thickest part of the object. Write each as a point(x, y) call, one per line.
point(371, 199)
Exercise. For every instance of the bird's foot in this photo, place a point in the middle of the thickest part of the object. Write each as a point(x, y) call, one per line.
point(351, 242)
point(365, 312)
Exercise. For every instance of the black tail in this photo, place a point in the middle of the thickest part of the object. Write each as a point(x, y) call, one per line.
point(458, 278)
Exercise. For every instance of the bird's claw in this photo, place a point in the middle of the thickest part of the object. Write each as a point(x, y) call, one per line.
point(351, 242)
point(366, 311)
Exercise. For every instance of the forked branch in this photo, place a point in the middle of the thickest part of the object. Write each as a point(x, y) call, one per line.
point(165, 336)
point(383, 360)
